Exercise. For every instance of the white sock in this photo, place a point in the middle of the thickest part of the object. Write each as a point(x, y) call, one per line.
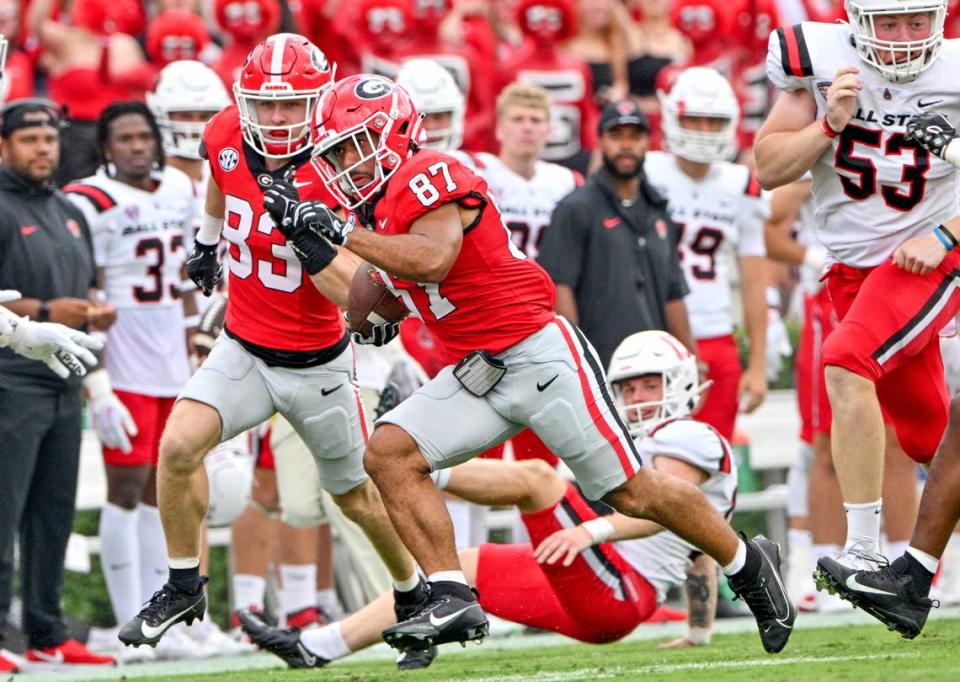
point(299, 586)
point(329, 603)
point(928, 561)
point(462, 522)
point(799, 538)
point(182, 562)
point(408, 584)
point(824, 550)
point(248, 591)
point(739, 560)
point(895, 549)
point(153, 550)
point(863, 525)
point(326, 642)
point(120, 560)
point(447, 576)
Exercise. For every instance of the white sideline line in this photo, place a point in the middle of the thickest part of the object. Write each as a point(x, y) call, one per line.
point(609, 672)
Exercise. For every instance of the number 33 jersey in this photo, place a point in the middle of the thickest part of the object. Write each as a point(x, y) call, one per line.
point(874, 189)
point(140, 242)
point(721, 218)
point(493, 296)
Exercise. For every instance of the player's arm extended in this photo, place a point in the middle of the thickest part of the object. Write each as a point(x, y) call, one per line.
point(753, 287)
point(426, 253)
point(790, 140)
point(701, 588)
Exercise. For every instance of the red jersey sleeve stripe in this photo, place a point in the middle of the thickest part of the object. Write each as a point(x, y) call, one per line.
point(793, 51)
point(101, 200)
point(753, 186)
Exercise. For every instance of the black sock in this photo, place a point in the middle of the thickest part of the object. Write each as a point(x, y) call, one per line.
point(751, 566)
point(922, 578)
point(454, 589)
point(186, 580)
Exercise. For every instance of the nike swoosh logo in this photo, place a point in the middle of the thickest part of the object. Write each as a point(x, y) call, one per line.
point(307, 657)
point(151, 632)
point(543, 387)
point(383, 224)
point(328, 391)
point(438, 622)
point(851, 583)
point(922, 104)
point(301, 184)
point(55, 658)
point(28, 229)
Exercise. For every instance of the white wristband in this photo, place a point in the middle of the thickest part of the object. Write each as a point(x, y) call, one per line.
point(952, 153)
point(599, 529)
point(98, 384)
point(699, 636)
point(815, 258)
point(209, 232)
point(191, 321)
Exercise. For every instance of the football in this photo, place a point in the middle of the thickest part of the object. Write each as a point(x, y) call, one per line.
point(369, 301)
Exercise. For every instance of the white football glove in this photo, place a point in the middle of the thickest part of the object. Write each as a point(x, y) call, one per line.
point(60, 348)
point(111, 418)
point(778, 344)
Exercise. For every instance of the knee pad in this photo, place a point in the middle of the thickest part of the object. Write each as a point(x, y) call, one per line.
point(559, 428)
point(329, 435)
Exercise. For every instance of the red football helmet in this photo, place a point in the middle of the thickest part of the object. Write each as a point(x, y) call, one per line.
point(287, 67)
point(248, 20)
point(547, 20)
point(174, 35)
point(378, 118)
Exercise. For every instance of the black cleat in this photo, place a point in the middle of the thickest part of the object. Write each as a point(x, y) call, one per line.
point(407, 604)
point(166, 608)
point(416, 660)
point(444, 618)
point(764, 593)
point(282, 642)
point(889, 593)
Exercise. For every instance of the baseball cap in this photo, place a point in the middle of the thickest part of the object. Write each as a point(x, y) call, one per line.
point(25, 113)
point(624, 112)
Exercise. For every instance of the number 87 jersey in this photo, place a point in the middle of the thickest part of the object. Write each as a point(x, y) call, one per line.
point(493, 296)
point(873, 188)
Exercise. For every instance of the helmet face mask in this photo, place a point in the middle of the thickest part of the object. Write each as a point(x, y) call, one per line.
point(700, 92)
point(186, 86)
point(899, 61)
point(283, 68)
point(372, 123)
point(433, 91)
point(654, 353)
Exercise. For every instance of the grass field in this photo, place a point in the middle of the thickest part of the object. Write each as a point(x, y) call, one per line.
point(855, 650)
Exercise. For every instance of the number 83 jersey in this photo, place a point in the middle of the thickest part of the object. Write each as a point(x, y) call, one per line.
point(493, 296)
point(140, 245)
point(721, 218)
point(873, 188)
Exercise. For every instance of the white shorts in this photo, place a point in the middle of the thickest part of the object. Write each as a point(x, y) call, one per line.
point(554, 385)
point(322, 404)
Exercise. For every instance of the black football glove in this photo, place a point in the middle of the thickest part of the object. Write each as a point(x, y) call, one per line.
point(203, 267)
point(317, 217)
point(281, 200)
point(311, 248)
point(932, 131)
point(380, 334)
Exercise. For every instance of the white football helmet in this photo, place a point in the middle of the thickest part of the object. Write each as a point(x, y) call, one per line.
point(434, 91)
point(699, 91)
point(655, 352)
point(911, 57)
point(229, 469)
point(185, 85)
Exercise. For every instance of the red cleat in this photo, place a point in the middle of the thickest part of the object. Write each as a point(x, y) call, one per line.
point(8, 666)
point(70, 652)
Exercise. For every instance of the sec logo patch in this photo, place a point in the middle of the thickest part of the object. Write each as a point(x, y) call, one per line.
point(228, 158)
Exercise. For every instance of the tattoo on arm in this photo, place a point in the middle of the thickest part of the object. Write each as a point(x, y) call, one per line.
point(701, 586)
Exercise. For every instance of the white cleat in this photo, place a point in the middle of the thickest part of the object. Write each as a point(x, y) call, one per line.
point(177, 645)
point(212, 638)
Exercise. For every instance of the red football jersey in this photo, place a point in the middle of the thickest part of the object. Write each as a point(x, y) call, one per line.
point(493, 296)
point(272, 301)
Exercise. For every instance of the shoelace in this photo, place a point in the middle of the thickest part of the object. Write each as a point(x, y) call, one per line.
point(757, 599)
point(881, 561)
point(153, 607)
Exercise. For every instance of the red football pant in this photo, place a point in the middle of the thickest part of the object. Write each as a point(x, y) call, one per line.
point(599, 598)
point(819, 321)
point(719, 408)
point(150, 415)
point(889, 329)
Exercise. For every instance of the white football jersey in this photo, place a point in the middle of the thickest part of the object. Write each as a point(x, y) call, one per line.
point(526, 205)
point(140, 241)
point(663, 559)
point(721, 218)
point(874, 188)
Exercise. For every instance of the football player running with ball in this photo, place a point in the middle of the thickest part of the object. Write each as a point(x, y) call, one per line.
point(884, 214)
point(284, 347)
point(440, 244)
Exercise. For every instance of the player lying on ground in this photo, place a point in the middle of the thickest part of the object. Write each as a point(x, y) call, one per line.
point(60, 348)
point(584, 576)
point(897, 594)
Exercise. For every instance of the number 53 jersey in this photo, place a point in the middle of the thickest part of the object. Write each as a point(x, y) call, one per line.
point(721, 218)
point(140, 242)
point(873, 188)
point(493, 296)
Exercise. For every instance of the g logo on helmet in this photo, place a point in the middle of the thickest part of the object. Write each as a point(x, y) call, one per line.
point(228, 158)
point(319, 60)
point(373, 88)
